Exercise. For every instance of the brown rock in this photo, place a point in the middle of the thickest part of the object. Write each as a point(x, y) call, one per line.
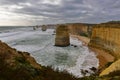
point(44, 28)
point(16, 65)
point(62, 36)
point(77, 28)
point(113, 67)
point(9, 55)
point(107, 37)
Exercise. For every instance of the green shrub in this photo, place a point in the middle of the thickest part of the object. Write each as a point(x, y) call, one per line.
point(84, 34)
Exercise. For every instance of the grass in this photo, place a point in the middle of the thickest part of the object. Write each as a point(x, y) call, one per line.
point(24, 71)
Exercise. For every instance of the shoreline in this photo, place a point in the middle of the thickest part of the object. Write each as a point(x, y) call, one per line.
point(103, 56)
point(85, 40)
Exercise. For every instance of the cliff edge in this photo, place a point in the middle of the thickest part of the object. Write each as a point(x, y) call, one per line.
point(106, 37)
point(16, 65)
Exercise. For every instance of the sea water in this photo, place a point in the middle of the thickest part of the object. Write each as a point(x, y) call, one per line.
point(41, 46)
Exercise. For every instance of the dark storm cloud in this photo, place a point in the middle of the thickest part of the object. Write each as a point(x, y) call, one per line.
point(67, 10)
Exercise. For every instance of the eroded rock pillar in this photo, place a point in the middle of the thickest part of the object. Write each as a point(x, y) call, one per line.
point(62, 36)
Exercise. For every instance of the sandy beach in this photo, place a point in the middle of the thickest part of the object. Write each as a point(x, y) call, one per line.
point(85, 40)
point(103, 56)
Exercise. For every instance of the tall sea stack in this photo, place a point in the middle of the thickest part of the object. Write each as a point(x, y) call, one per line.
point(62, 36)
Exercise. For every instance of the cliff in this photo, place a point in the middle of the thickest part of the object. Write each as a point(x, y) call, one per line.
point(44, 28)
point(112, 68)
point(17, 65)
point(80, 29)
point(106, 36)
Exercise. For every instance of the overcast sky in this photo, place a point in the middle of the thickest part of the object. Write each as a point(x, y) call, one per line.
point(34, 12)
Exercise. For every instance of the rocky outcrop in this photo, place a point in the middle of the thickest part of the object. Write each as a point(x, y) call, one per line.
point(106, 36)
point(44, 28)
point(62, 36)
point(112, 68)
point(80, 29)
point(16, 65)
point(77, 28)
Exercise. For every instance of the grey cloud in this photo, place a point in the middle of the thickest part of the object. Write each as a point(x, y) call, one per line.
point(11, 2)
point(68, 10)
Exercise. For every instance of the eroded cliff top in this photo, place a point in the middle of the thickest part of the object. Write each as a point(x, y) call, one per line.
point(114, 25)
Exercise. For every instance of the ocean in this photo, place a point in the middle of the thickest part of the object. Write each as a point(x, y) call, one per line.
point(40, 44)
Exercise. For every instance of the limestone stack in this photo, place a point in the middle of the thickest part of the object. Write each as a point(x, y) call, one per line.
point(44, 28)
point(62, 36)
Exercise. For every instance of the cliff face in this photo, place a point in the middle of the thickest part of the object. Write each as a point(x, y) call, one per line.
point(112, 68)
point(77, 28)
point(62, 36)
point(80, 29)
point(107, 37)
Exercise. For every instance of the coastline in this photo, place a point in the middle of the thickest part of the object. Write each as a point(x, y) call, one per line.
point(103, 56)
point(85, 40)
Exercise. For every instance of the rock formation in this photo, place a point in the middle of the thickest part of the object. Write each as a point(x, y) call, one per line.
point(44, 28)
point(113, 67)
point(106, 36)
point(16, 65)
point(62, 36)
point(80, 29)
point(77, 28)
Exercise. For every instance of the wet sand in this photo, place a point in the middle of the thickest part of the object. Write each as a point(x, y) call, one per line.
point(103, 56)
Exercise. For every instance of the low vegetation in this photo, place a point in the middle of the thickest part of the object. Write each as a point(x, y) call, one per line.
point(84, 34)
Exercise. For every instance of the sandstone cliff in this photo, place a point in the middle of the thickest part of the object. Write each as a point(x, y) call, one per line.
point(77, 28)
point(107, 37)
point(80, 29)
point(62, 36)
point(112, 68)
